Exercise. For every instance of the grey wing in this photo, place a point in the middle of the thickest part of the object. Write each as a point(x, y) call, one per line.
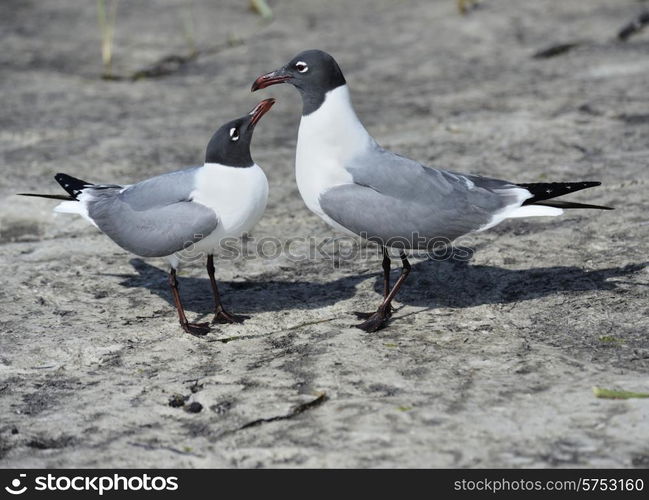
point(401, 177)
point(395, 199)
point(153, 218)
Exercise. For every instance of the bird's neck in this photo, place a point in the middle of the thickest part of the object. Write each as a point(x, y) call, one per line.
point(238, 165)
point(334, 127)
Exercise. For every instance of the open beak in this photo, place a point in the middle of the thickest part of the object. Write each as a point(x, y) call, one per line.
point(272, 78)
point(260, 110)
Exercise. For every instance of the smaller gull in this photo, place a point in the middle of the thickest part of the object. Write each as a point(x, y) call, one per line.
point(359, 188)
point(193, 208)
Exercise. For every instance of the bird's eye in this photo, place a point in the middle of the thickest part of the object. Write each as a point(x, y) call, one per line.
point(301, 66)
point(234, 134)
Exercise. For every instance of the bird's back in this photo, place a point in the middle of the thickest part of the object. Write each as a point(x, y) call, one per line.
point(151, 218)
point(404, 200)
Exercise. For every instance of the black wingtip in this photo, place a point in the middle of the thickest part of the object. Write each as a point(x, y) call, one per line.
point(72, 185)
point(49, 196)
point(571, 204)
point(542, 191)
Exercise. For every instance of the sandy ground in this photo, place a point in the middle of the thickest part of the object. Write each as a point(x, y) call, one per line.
point(487, 363)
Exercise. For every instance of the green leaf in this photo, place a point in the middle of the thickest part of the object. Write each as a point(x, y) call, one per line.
point(614, 394)
point(610, 339)
point(262, 8)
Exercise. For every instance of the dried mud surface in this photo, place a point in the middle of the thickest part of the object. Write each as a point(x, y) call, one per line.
point(487, 363)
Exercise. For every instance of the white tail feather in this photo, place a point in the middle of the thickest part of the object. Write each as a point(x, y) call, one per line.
point(514, 212)
point(74, 207)
point(533, 211)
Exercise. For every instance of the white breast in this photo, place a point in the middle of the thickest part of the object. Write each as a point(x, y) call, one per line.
point(238, 196)
point(327, 139)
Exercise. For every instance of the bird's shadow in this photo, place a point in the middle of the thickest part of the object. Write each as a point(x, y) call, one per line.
point(432, 283)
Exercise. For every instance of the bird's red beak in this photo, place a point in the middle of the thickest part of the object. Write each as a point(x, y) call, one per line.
point(272, 78)
point(260, 110)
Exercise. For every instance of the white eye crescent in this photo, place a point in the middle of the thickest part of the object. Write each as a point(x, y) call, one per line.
point(301, 66)
point(234, 134)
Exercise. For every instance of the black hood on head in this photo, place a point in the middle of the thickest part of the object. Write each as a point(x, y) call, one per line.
point(312, 72)
point(230, 144)
point(224, 150)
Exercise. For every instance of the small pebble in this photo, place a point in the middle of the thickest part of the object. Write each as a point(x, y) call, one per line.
point(177, 400)
point(194, 407)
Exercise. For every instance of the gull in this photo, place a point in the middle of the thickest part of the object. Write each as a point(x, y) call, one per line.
point(360, 188)
point(187, 210)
